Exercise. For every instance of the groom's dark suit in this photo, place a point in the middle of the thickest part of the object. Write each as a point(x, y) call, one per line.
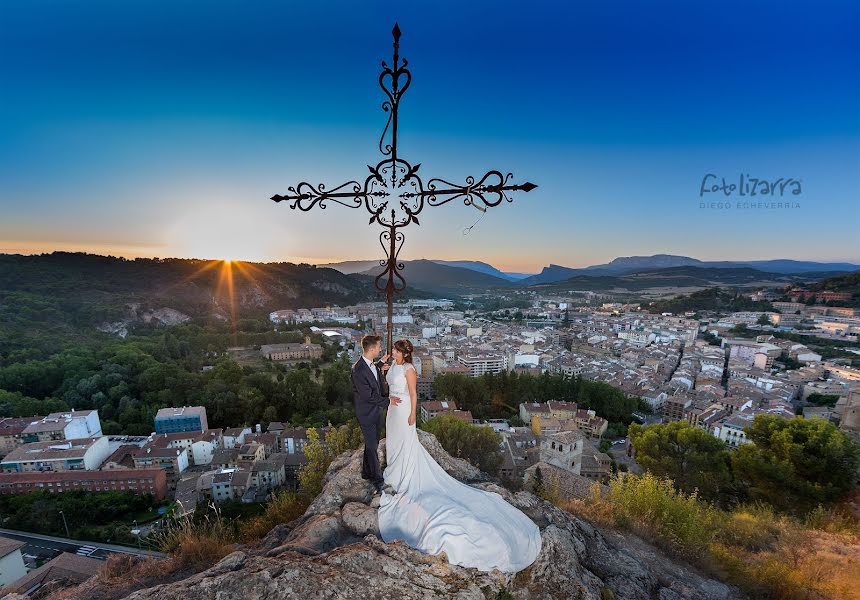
point(370, 395)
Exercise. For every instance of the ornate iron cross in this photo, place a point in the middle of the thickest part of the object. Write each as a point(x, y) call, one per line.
point(394, 193)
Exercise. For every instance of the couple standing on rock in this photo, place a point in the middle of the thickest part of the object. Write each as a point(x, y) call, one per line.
point(420, 503)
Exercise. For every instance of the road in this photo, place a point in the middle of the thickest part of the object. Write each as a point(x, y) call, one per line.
point(45, 547)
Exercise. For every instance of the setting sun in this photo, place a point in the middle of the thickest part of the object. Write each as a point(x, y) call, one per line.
point(222, 232)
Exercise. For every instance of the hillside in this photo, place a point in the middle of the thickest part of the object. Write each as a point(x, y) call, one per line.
point(682, 277)
point(442, 279)
point(480, 267)
point(848, 282)
point(348, 267)
point(70, 294)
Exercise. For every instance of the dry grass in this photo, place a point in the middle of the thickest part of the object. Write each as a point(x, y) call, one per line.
point(193, 546)
point(197, 543)
point(122, 574)
point(766, 554)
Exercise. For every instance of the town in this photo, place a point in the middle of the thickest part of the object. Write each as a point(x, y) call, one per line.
point(714, 371)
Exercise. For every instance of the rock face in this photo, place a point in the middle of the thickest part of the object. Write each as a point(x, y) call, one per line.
point(158, 316)
point(334, 551)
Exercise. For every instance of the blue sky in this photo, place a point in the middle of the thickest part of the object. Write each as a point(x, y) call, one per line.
point(162, 128)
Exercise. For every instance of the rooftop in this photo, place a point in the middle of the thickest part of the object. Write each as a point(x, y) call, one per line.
point(56, 450)
point(166, 413)
point(64, 566)
point(8, 546)
point(567, 437)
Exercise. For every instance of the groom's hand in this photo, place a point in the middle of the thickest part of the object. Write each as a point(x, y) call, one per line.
point(394, 400)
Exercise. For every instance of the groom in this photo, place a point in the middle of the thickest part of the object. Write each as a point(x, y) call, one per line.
point(370, 394)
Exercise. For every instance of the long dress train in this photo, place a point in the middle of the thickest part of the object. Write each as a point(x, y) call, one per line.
point(433, 512)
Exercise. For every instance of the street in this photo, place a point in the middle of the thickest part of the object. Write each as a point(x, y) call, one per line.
point(43, 547)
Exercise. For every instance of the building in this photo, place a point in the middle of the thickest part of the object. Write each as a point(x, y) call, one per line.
point(252, 452)
point(173, 461)
point(186, 418)
point(67, 455)
point(235, 436)
point(497, 425)
point(563, 450)
point(596, 465)
point(138, 481)
point(675, 407)
point(295, 351)
point(270, 473)
point(555, 416)
point(480, 364)
point(12, 565)
point(519, 451)
point(267, 440)
point(201, 445)
point(72, 425)
point(850, 414)
point(293, 440)
point(277, 428)
point(529, 409)
point(430, 409)
point(11, 429)
point(66, 569)
point(230, 484)
point(733, 429)
point(592, 425)
point(122, 458)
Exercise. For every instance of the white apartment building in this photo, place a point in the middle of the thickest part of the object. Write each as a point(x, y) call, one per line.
point(480, 364)
point(731, 430)
point(70, 425)
point(65, 455)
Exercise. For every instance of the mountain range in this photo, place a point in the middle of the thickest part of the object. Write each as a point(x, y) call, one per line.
point(444, 279)
point(629, 272)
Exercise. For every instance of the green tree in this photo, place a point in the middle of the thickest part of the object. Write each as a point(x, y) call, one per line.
point(320, 453)
point(689, 456)
point(477, 444)
point(795, 464)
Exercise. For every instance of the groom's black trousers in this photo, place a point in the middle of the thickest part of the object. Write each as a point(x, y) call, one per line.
point(370, 468)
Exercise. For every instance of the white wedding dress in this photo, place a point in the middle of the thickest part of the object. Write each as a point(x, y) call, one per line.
point(433, 512)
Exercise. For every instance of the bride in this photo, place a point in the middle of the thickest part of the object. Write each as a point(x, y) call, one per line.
point(433, 512)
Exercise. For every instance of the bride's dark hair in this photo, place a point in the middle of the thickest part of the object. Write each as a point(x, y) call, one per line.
point(405, 347)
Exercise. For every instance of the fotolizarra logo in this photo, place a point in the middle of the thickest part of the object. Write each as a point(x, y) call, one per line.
point(746, 186)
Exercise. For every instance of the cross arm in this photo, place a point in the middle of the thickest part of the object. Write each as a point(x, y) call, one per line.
point(490, 190)
point(305, 196)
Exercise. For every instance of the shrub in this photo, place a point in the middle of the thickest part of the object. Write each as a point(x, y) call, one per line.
point(651, 504)
point(478, 445)
point(320, 453)
point(283, 507)
point(763, 552)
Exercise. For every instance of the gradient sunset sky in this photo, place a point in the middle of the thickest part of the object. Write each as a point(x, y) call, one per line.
point(147, 128)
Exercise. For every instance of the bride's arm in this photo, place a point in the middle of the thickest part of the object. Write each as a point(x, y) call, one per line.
point(412, 382)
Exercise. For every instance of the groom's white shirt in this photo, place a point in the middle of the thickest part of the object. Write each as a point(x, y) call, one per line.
point(372, 367)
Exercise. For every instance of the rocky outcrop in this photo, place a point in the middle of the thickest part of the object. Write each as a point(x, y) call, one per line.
point(334, 551)
point(159, 316)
